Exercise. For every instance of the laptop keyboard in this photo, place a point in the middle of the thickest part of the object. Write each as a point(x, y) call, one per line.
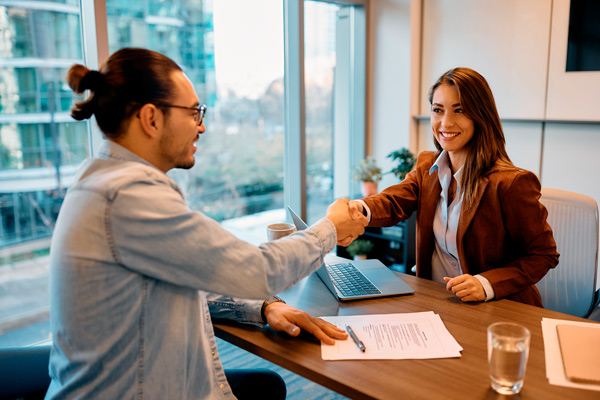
point(350, 281)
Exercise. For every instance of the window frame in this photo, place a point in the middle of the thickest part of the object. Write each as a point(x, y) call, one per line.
point(94, 31)
point(351, 148)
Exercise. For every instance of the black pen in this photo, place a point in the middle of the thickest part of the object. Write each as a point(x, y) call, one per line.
point(360, 344)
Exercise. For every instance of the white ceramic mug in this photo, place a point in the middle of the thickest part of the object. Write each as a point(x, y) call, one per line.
point(276, 231)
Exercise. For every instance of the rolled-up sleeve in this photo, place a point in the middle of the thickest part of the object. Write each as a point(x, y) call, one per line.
point(241, 310)
point(153, 232)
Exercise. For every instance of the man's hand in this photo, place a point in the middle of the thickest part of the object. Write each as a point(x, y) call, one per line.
point(356, 208)
point(466, 287)
point(283, 317)
point(348, 225)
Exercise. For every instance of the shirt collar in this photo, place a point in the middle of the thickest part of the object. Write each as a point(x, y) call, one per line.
point(442, 161)
point(113, 151)
point(443, 164)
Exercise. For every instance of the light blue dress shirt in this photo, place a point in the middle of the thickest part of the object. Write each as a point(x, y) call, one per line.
point(136, 276)
point(445, 261)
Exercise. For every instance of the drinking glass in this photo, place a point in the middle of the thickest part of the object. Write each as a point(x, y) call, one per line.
point(508, 351)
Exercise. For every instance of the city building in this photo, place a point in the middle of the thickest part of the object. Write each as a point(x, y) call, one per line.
point(41, 146)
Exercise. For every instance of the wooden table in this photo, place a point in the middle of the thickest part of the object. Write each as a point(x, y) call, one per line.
point(455, 378)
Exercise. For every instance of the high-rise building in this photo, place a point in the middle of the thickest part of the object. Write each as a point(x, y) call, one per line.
point(41, 146)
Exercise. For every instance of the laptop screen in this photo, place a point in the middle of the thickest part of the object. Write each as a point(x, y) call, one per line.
point(300, 224)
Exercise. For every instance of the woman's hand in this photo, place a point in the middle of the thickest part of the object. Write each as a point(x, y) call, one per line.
point(466, 287)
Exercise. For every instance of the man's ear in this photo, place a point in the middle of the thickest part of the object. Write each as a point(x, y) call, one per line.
point(151, 120)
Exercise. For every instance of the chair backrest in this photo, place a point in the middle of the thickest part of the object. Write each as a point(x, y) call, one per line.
point(24, 372)
point(571, 286)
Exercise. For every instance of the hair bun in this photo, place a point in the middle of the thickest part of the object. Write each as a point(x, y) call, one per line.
point(92, 80)
point(80, 78)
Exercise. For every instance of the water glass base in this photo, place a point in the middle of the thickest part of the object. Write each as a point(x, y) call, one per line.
point(504, 388)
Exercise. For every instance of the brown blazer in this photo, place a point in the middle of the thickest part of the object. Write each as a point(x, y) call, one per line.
point(504, 236)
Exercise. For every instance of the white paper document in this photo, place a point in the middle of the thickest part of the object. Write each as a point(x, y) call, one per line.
point(555, 371)
point(393, 337)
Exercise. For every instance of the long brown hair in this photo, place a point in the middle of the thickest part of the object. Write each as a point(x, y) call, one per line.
point(128, 79)
point(488, 146)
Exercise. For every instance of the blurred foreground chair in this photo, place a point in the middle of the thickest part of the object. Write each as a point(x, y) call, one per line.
point(571, 287)
point(24, 372)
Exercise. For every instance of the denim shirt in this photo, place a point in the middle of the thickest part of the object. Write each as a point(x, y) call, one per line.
point(136, 275)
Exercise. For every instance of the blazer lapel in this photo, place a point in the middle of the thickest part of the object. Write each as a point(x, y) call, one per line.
point(466, 216)
point(431, 197)
point(427, 208)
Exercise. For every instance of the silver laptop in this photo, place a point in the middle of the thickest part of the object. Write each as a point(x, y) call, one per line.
point(355, 280)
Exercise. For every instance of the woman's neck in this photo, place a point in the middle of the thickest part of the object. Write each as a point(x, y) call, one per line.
point(457, 160)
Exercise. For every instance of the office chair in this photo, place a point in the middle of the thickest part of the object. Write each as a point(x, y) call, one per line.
point(571, 286)
point(24, 372)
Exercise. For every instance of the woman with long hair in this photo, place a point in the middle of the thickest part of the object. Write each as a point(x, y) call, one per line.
point(480, 226)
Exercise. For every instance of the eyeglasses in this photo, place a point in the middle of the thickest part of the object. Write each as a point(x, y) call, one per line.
point(198, 117)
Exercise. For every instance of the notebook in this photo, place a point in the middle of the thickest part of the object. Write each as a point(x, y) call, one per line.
point(580, 349)
point(355, 280)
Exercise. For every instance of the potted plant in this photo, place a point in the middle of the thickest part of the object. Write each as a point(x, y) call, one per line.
point(369, 174)
point(359, 249)
point(405, 160)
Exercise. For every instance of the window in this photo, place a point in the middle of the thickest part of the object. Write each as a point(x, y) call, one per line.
point(320, 20)
point(239, 163)
point(239, 69)
point(334, 76)
point(40, 150)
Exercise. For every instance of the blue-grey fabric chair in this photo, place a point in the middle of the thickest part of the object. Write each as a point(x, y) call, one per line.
point(571, 287)
point(24, 372)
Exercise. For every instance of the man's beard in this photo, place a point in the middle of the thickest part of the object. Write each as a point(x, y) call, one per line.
point(186, 165)
point(179, 159)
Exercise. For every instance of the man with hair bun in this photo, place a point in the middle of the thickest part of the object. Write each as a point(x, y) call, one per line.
point(136, 275)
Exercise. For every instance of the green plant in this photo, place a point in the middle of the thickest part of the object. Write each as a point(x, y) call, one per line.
point(367, 171)
point(405, 160)
point(359, 247)
point(29, 255)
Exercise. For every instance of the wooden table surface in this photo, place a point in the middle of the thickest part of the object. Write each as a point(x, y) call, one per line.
point(454, 378)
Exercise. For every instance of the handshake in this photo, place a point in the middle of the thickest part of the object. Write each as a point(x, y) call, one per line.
point(348, 218)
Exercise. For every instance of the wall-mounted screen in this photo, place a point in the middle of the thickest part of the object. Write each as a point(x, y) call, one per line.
point(583, 51)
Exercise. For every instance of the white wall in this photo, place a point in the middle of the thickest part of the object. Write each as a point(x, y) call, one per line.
point(504, 40)
point(524, 143)
point(571, 158)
